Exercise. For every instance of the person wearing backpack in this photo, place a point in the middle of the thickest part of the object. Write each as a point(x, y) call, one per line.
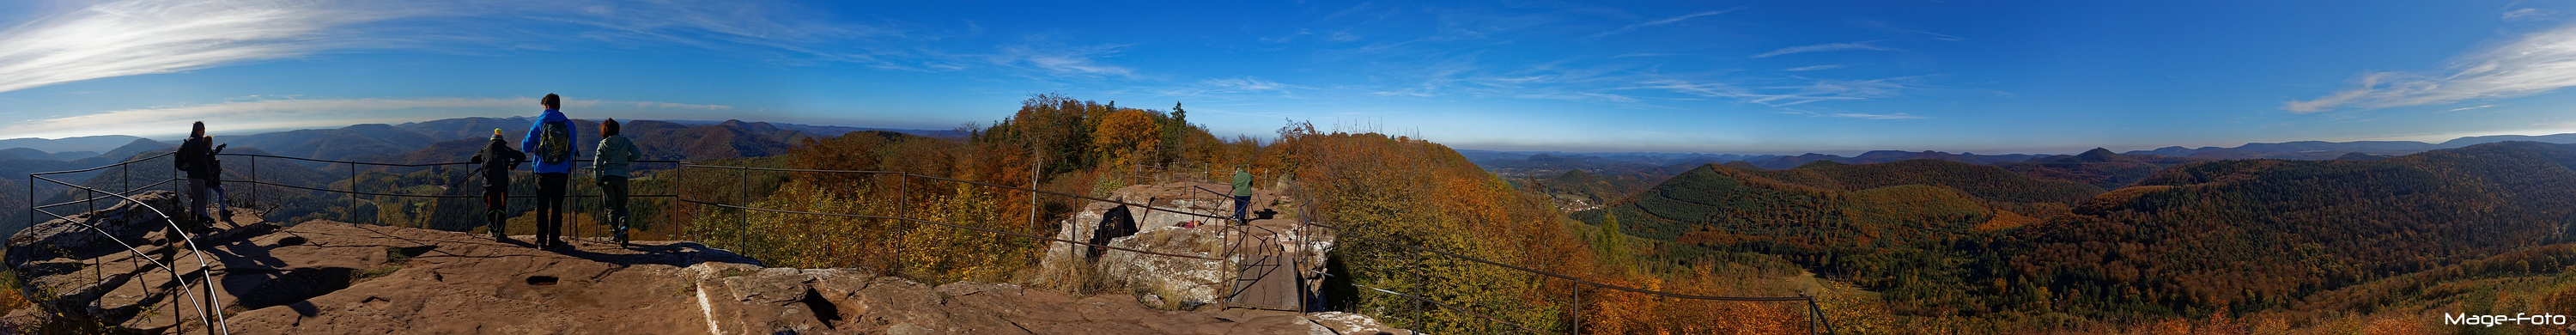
point(497, 159)
point(551, 141)
point(196, 157)
point(615, 153)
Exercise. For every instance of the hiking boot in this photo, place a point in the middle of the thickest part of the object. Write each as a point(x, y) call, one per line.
point(620, 234)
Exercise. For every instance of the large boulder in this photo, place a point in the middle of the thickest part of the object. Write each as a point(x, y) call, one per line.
point(1178, 222)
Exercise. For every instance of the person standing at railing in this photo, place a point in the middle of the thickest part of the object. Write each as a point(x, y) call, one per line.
point(497, 159)
point(615, 154)
point(196, 157)
point(1242, 193)
point(551, 141)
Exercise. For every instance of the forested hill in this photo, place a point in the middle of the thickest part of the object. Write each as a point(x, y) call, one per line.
point(2256, 233)
point(1940, 238)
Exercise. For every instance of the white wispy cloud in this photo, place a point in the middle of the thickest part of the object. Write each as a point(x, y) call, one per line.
point(2527, 14)
point(1810, 91)
point(1664, 21)
point(2536, 63)
point(139, 37)
point(1814, 67)
point(1864, 45)
point(1895, 116)
point(1644, 54)
point(126, 38)
point(1247, 84)
point(1065, 60)
point(306, 113)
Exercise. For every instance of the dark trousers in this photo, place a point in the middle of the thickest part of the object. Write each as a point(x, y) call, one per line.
point(614, 188)
point(496, 205)
point(550, 206)
point(1241, 202)
point(198, 196)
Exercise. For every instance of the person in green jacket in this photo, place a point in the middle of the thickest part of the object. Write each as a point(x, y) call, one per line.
point(610, 169)
point(1242, 193)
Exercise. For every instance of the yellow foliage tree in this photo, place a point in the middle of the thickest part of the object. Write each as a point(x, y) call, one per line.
point(1127, 135)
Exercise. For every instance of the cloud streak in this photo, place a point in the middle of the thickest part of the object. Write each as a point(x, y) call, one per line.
point(127, 38)
point(1895, 116)
point(2536, 63)
point(1814, 67)
point(140, 37)
point(1823, 48)
point(1665, 21)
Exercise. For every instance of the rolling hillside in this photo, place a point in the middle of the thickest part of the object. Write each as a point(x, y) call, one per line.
point(2098, 167)
point(2255, 233)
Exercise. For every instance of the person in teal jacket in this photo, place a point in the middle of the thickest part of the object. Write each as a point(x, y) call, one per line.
point(615, 153)
point(550, 144)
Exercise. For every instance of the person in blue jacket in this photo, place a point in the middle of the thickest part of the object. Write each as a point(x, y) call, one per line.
point(550, 145)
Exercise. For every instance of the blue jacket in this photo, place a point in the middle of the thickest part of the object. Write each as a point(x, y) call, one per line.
point(529, 144)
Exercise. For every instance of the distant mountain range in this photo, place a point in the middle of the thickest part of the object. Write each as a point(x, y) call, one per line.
point(1551, 163)
point(2152, 234)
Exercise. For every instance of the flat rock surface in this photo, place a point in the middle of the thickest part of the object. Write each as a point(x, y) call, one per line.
point(325, 277)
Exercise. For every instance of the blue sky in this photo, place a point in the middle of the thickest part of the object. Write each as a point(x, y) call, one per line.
point(1675, 76)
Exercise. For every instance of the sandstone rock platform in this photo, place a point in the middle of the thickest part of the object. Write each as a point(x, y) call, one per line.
point(324, 277)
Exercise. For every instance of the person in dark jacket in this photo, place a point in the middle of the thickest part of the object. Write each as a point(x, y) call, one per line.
point(196, 157)
point(550, 144)
point(497, 159)
point(615, 154)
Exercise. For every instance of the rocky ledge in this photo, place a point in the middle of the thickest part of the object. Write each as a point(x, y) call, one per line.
point(325, 277)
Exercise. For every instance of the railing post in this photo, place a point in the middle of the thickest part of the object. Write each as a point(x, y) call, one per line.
point(902, 209)
point(1578, 308)
point(742, 195)
point(254, 187)
point(1817, 316)
point(1415, 270)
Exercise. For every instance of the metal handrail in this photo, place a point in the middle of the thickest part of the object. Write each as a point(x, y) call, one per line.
point(317, 160)
point(132, 161)
point(97, 198)
point(218, 321)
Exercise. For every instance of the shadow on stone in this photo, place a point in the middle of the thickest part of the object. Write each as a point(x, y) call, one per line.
point(824, 311)
point(295, 286)
point(541, 280)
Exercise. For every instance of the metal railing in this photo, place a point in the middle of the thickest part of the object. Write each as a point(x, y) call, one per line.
point(1818, 322)
point(204, 304)
point(575, 208)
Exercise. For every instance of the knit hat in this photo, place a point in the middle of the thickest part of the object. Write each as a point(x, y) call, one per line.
point(496, 132)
